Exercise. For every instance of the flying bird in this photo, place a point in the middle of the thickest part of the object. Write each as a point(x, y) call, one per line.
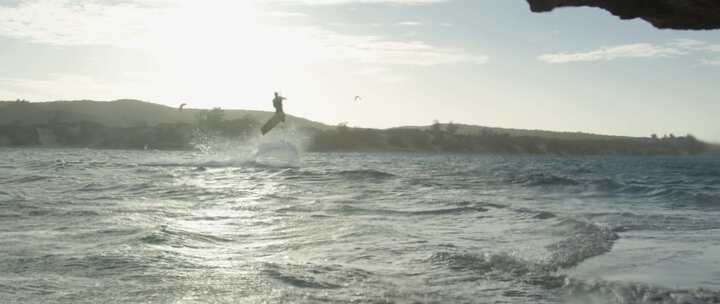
point(181, 106)
point(358, 98)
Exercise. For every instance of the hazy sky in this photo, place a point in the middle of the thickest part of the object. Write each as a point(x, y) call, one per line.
point(487, 62)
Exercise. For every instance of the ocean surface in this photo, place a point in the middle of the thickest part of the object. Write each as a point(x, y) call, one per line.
point(112, 226)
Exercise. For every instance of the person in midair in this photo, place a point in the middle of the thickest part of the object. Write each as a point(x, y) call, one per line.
point(278, 117)
point(278, 104)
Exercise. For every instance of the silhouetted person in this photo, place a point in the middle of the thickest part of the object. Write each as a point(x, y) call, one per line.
point(279, 114)
point(277, 103)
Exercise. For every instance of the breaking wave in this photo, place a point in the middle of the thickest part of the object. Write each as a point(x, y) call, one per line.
point(602, 292)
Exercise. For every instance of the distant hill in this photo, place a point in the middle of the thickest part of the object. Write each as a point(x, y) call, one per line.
point(133, 124)
point(475, 130)
point(128, 113)
point(713, 149)
point(119, 113)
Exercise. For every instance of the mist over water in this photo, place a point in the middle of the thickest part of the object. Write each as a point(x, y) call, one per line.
point(113, 226)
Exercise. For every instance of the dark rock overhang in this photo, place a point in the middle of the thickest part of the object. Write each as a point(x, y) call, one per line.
point(664, 14)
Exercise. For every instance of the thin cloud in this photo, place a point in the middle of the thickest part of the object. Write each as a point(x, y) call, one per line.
point(376, 50)
point(62, 86)
point(409, 23)
point(690, 44)
point(163, 28)
point(371, 71)
point(695, 45)
point(715, 62)
point(638, 50)
point(282, 14)
point(68, 23)
point(678, 47)
point(380, 74)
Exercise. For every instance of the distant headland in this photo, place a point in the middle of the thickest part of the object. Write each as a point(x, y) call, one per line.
point(134, 124)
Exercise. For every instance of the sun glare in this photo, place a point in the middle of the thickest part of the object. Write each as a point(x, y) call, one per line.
point(213, 51)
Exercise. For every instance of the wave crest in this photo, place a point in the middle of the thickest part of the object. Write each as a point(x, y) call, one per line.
point(365, 174)
point(578, 291)
point(544, 180)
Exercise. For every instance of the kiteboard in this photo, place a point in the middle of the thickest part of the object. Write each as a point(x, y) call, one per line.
point(272, 122)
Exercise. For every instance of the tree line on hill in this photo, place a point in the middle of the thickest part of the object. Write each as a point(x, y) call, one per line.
point(163, 136)
point(447, 139)
point(437, 138)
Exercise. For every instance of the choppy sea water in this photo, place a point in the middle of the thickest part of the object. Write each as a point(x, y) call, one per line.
point(105, 226)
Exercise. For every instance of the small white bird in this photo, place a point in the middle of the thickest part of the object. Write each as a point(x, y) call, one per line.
point(358, 98)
